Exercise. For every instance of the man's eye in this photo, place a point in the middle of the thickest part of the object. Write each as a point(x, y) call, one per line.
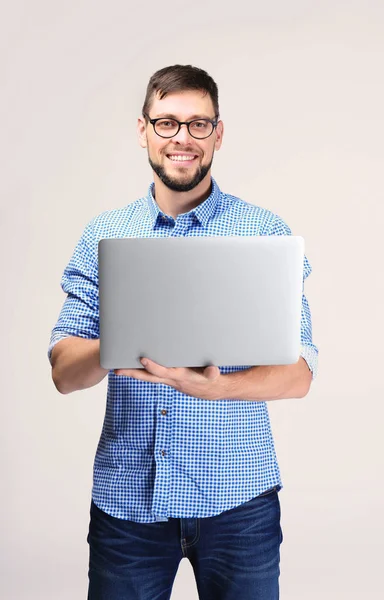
point(199, 124)
point(166, 124)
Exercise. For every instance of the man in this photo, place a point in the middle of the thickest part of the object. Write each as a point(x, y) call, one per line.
point(186, 465)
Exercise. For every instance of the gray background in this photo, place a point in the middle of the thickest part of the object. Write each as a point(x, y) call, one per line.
point(301, 96)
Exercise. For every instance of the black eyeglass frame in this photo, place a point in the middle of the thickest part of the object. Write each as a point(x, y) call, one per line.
point(153, 122)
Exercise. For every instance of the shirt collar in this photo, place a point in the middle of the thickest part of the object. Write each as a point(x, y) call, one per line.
point(203, 212)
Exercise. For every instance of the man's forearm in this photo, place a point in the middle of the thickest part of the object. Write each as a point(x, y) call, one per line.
point(76, 364)
point(266, 382)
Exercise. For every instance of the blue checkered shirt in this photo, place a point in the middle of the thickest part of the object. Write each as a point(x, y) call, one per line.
point(162, 453)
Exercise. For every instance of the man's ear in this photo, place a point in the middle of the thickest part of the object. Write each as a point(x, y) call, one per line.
point(219, 135)
point(142, 132)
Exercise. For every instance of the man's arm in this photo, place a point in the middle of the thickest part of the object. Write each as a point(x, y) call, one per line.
point(266, 382)
point(74, 348)
point(257, 383)
point(76, 364)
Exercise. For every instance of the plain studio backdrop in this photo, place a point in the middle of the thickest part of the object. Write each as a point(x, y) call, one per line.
point(301, 96)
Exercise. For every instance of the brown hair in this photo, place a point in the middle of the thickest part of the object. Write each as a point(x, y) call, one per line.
point(179, 78)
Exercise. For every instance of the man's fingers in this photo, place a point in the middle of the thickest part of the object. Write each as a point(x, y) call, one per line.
point(141, 374)
point(211, 372)
point(155, 368)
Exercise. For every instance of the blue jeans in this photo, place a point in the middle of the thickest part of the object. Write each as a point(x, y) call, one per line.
point(234, 555)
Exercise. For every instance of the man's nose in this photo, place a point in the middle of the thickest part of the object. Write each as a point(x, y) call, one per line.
point(183, 135)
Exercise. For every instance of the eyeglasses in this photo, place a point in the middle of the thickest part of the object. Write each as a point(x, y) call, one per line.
point(198, 128)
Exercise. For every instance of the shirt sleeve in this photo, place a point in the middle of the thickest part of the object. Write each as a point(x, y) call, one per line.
point(79, 315)
point(308, 349)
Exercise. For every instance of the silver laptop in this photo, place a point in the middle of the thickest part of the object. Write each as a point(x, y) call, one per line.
point(198, 301)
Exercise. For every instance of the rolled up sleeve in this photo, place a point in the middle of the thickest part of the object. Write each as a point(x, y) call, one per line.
point(79, 315)
point(308, 349)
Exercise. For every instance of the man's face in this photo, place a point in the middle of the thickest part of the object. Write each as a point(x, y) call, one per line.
point(177, 175)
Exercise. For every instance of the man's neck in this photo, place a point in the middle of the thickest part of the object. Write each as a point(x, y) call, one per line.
point(176, 203)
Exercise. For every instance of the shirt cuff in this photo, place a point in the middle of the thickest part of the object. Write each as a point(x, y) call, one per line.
point(310, 355)
point(56, 337)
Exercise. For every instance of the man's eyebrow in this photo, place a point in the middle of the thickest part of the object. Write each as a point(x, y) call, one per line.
point(171, 116)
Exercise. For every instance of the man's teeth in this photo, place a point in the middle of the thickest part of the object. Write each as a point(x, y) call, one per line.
point(180, 157)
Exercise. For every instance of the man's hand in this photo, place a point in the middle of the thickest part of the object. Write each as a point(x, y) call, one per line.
point(200, 382)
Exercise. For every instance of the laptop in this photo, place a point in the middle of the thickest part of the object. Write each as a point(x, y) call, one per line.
point(199, 301)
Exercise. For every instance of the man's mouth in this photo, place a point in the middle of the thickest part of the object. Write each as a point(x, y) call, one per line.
point(182, 158)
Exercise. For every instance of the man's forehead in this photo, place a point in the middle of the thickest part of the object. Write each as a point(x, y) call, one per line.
point(185, 104)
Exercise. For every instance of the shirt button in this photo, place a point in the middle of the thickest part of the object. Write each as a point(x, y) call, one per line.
point(163, 452)
point(163, 412)
point(164, 218)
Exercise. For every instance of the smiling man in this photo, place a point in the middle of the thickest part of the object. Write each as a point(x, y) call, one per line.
point(185, 465)
point(186, 132)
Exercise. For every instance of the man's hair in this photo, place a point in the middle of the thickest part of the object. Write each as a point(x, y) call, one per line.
point(179, 78)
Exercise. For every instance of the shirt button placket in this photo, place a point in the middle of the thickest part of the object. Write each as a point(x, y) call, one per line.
point(162, 477)
point(163, 412)
point(180, 228)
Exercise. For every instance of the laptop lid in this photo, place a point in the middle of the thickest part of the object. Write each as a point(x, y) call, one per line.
point(197, 301)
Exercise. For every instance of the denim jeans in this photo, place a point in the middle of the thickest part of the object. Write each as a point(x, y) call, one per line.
point(234, 555)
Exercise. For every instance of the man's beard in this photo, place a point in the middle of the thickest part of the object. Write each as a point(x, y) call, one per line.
point(174, 184)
